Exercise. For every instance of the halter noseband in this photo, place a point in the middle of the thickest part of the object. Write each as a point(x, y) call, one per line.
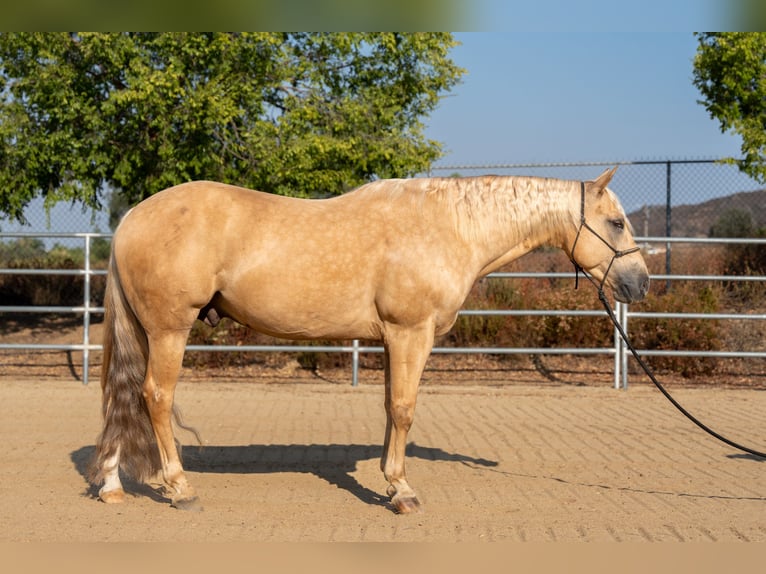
point(584, 224)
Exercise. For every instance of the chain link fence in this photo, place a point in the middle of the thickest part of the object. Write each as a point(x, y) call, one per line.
point(668, 198)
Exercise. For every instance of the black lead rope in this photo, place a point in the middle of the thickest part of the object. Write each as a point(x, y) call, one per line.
point(647, 369)
point(664, 391)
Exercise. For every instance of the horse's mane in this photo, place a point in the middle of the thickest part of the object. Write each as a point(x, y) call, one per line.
point(480, 206)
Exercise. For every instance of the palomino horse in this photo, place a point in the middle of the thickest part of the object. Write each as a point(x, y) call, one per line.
point(393, 261)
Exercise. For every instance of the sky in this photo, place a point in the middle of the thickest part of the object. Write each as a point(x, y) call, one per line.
point(576, 97)
point(593, 16)
point(585, 97)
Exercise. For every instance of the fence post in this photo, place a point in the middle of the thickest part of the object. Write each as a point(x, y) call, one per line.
point(617, 349)
point(668, 221)
point(620, 348)
point(623, 318)
point(355, 363)
point(86, 315)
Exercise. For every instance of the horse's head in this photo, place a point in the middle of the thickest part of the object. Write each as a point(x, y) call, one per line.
point(601, 241)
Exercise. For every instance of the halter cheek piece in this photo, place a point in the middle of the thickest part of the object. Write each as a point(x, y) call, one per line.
point(584, 225)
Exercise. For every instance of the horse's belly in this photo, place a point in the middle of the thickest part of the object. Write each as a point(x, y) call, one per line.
point(335, 299)
point(279, 314)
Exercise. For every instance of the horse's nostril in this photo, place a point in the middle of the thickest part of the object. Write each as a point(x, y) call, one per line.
point(645, 286)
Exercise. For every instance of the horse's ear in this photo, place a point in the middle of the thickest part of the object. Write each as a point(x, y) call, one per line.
point(600, 183)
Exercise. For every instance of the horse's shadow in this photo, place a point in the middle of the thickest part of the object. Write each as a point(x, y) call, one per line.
point(333, 463)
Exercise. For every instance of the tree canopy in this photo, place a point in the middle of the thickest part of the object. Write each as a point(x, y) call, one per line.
point(306, 114)
point(730, 73)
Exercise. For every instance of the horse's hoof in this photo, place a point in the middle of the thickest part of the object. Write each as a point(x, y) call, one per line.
point(116, 496)
point(406, 504)
point(191, 504)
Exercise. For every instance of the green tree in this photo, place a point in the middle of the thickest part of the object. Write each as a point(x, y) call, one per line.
point(309, 114)
point(730, 73)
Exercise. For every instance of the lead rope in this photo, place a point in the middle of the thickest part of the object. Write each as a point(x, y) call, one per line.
point(647, 369)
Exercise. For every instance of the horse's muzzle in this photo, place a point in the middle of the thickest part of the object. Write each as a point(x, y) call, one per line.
point(631, 287)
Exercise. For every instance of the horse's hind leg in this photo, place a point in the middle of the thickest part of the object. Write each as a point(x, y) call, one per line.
point(406, 352)
point(166, 350)
point(111, 492)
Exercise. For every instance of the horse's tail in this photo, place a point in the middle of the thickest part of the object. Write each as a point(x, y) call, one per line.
point(127, 430)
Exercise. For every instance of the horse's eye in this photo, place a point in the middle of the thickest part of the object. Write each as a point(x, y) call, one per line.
point(619, 223)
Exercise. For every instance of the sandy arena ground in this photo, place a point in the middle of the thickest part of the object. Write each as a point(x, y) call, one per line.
point(295, 458)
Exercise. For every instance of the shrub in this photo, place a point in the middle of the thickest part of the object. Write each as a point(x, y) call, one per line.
point(527, 330)
point(573, 331)
point(680, 334)
point(486, 330)
point(741, 259)
point(42, 290)
point(228, 332)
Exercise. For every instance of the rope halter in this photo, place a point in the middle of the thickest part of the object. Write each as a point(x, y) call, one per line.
point(584, 225)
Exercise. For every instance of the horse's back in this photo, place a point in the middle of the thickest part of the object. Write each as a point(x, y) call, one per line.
point(291, 267)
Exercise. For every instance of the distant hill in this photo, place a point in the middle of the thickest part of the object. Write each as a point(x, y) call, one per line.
point(696, 220)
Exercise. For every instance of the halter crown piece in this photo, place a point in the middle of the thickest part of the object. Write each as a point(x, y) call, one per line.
point(584, 225)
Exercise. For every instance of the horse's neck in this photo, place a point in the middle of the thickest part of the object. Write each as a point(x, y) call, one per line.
point(519, 215)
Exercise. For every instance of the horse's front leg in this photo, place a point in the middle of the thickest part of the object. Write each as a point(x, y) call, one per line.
point(164, 366)
point(406, 352)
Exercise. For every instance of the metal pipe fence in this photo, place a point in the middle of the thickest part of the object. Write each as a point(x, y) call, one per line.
point(87, 308)
point(656, 195)
point(618, 349)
